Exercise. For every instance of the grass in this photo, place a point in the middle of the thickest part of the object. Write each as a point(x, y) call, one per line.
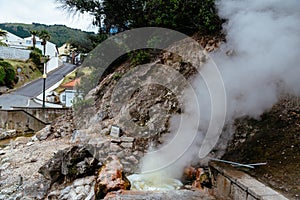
point(72, 76)
point(29, 71)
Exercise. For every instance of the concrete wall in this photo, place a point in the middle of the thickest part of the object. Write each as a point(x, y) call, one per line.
point(13, 53)
point(19, 120)
point(47, 115)
point(230, 183)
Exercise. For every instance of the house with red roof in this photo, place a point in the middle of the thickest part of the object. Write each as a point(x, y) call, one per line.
point(67, 96)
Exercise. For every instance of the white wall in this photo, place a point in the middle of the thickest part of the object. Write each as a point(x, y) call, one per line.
point(13, 53)
point(68, 99)
point(13, 41)
point(51, 51)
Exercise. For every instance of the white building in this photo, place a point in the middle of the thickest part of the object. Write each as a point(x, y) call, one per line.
point(14, 41)
point(51, 51)
point(67, 96)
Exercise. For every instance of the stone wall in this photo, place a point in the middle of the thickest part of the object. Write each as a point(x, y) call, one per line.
point(47, 115)
point(20, 120)
point(230, 183)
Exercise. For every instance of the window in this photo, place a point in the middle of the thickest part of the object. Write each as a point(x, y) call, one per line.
point(63, 98)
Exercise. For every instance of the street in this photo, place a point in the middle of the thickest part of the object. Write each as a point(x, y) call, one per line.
point(21, 97)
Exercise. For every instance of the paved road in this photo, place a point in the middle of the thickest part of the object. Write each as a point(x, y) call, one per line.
point(21, 97)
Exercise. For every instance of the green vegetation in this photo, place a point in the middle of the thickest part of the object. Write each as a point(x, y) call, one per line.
point(3, 33)
point(119, 15)
point(45, 36)
point(7, 74)
point(140, 57)
point(36, 57)
point(33, 33)
point(60, 34)
point(117, 76)
point(29, 72)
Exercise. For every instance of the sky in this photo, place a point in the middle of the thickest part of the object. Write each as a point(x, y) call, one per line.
point(43, 12)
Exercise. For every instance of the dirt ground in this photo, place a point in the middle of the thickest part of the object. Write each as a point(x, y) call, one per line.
point(274, 139)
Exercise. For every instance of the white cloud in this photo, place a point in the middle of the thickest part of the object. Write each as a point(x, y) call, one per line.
point(44, 12)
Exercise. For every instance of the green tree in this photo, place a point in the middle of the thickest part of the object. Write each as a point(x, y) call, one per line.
point(45, 36)
point(119, 15)
point(3, 34)
point(7, 74)
point(33, 33)
point(2, 75)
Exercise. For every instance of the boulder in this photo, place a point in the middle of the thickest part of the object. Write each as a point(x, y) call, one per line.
point(69, 164)
point(44, 133)
point(110, 178)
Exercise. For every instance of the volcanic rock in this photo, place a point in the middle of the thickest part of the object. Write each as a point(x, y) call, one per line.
point(110, 178)
point(70, 163)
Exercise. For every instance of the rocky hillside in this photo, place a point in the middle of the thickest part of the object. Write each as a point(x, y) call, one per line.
point(78, 159)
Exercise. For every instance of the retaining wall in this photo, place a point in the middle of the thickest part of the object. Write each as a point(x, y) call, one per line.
point(230, 183)
point(47, 115)
point(13, 53)
point(20, 120)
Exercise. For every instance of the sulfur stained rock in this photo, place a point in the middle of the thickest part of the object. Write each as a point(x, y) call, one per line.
point(111, 178)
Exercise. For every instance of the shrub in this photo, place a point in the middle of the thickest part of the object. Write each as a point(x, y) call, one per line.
point(7, 74)
point(117, 76)
point(140, 57)
point(36, 56)
point(2, 75)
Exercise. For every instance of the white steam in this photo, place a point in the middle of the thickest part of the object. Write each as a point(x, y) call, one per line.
point(264, 40)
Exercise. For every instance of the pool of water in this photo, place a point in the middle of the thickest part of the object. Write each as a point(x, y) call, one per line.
point(6, 142)
point(153, 183)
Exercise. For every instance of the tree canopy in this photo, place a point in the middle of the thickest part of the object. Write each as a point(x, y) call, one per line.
point(119, 15)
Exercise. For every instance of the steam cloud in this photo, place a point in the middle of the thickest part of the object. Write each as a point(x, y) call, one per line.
point(263, 38)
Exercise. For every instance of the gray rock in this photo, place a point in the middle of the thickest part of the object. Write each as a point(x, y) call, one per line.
point(5, 166)
point(3, 196)
point(2, 152)
point(87, 189)
point(72, 194)
point(79, 197)
point(29, 143)
point(115, 148)
point(54, 194)
point(34, 138)
point(121, 154)
point(127, 139)
point(65, 192)
point(84, 181)
point(70, 163)
point(115, 140)
point(44, 133)
point(158, 195)
point(90, 196)
point(78, 182)
point(127, 145)
point(89, 180)
point(105, 131)
point(132, 159)
point(79, 190)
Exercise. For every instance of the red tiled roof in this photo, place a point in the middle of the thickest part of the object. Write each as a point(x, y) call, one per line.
point(71, 84)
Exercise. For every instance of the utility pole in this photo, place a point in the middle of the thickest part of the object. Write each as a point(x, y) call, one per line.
point(44, 87)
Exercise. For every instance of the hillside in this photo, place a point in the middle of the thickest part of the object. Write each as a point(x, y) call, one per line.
point(273, 139)
point(60, 34)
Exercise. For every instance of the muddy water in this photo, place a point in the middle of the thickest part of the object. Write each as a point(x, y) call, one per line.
point(6, 142)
